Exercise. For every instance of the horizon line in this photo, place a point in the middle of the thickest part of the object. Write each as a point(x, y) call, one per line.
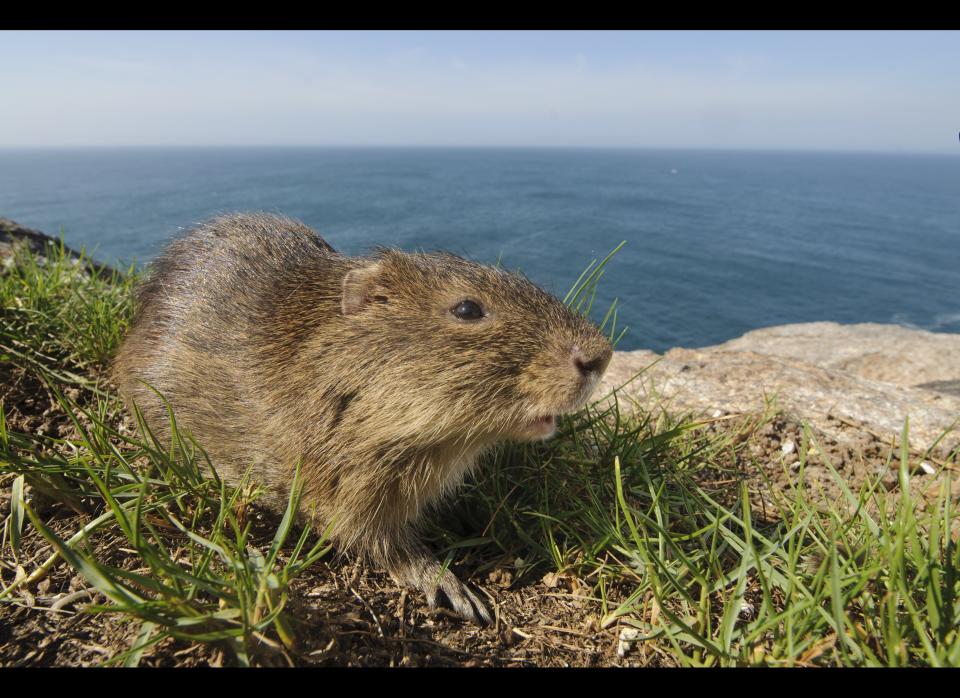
point(444, 146)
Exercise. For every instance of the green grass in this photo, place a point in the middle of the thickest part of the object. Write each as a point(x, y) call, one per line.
point(207, 578)
point(653, 516)
point(61, 316)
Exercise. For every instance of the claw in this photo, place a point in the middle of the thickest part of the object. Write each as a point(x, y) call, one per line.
point(444, 590)
point(453, 594)
point(416, 566)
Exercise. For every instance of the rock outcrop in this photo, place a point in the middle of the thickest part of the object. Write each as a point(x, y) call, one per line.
point(13, 234)
point(833, 376)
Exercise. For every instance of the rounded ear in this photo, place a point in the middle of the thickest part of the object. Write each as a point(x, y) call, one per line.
point(360, 287)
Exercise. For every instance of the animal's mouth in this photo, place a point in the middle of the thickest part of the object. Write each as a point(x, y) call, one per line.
point(539, 427)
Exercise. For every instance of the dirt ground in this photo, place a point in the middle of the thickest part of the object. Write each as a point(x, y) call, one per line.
point(349, 615)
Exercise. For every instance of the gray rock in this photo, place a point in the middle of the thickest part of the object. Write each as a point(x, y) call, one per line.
point(12, 234)
point(868, 376)
point(887, 353)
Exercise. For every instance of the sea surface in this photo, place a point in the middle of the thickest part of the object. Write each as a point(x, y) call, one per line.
point(717, 243)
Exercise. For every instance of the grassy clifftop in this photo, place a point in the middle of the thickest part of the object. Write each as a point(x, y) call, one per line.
point(625, 540)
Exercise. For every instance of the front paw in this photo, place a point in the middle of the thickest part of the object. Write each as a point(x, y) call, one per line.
point(449, 592)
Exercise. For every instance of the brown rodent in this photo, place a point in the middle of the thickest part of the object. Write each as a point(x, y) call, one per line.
point(385, 376)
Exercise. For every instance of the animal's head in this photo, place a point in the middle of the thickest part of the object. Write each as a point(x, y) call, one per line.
point(468, 348)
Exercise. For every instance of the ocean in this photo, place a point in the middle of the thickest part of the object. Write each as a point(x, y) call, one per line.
point(717, 243)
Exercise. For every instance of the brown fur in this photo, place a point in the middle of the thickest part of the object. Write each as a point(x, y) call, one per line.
point(272, 348)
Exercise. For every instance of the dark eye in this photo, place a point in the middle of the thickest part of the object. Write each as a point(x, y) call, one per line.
point(467, 310)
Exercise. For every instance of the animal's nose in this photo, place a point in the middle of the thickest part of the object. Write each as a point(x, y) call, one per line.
point(591, 362)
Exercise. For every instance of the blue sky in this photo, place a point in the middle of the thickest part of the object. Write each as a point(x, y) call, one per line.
point(840, 90)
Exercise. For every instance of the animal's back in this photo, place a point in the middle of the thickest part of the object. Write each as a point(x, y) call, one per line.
point(211, 317)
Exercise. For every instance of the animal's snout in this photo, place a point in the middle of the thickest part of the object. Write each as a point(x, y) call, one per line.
point(591, 363)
